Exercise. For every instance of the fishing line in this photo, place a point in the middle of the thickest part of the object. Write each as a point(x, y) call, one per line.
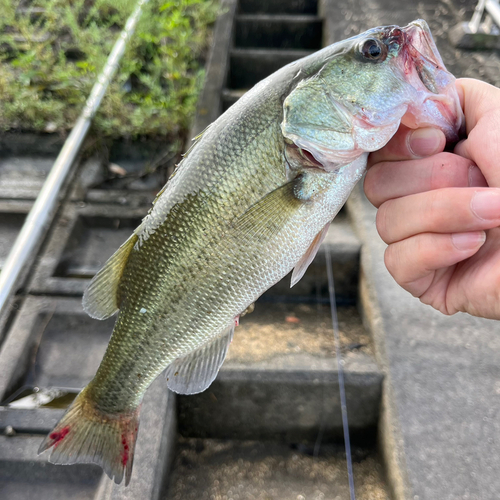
point(340, 371)
point(324, 413)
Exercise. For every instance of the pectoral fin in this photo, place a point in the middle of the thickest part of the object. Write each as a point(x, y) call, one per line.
point(267, 217)
point(196, 371)
point(308, 257)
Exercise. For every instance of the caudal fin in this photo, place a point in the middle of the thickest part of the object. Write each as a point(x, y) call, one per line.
point(87, 435)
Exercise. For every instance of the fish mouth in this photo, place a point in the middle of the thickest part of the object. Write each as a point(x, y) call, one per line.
point(301, 153)
point(304, 155)
point(438, 103)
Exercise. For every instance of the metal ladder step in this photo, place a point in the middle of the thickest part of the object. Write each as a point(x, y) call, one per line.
point(280, 382)
point(205, 469)
point(278, 6)
point(278, 31)
point(248, 66)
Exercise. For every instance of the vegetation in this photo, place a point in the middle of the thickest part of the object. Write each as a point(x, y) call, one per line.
point(51, 52)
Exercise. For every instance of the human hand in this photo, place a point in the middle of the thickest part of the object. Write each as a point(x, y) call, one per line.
point(439, 213)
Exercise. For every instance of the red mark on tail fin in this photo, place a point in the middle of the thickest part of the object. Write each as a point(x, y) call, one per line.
point(87, 432)
point(58, 436)
point(125, 453)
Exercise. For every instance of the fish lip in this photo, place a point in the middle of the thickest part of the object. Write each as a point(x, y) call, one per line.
point(419, 38)
point(317, 158)
point(298, 152)
point(424, 65)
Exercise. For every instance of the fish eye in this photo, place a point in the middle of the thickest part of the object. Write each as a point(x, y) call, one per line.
point(374, 50)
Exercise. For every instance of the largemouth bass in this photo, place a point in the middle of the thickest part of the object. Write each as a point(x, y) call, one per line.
point(251, 200)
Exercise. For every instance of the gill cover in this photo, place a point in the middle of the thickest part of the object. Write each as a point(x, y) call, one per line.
point(312, 114)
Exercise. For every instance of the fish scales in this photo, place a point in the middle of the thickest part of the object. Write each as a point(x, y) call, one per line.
point(251, 201)
point(187, 246)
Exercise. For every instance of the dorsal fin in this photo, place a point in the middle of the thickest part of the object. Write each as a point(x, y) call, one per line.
point(196, 140)
point(196, 371)
point(100, 300)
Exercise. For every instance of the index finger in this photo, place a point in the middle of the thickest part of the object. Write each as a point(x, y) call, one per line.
point(410, 144)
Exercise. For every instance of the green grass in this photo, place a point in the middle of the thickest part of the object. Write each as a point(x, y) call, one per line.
point(51, 54)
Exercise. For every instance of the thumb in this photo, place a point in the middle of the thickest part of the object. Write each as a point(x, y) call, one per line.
point(481, 105)
point(410, 144)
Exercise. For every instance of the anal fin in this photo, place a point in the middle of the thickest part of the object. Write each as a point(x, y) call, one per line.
point(195, 372)
point(308, 257)
point(100, 300)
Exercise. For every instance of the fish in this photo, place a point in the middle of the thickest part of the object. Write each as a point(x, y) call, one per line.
point(251, 200)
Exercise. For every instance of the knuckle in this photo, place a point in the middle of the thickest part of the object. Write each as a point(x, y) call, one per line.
point(426, 246)
point(440, 172)
point(431, 214)
point(368, 184)
point(382, 222)
point(425, 211)
point(392, 262)
point(397, 263)
point(433, 202)
point(374, 185)
point(449, 170)
point(445, 159)
point(389, 260)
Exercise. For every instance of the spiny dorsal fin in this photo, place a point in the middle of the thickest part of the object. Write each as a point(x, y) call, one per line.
point(196, 371)
point(302, 265)
point(100, 300)
point(158, 194)
point(196, 140)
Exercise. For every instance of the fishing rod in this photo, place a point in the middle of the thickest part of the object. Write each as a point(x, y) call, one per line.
point(40, 214)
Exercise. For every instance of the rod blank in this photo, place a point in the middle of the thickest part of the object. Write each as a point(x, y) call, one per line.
point(40, 214)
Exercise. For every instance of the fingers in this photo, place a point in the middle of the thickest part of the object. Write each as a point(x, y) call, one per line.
point(408, 144)
point(483, 147)
point(477, 98)
point(388, 180)
point(427, 254)
point(446, 210)
point(481, 105)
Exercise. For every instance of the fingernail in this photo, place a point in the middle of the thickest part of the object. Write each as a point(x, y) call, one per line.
point(486, 204)
point(476, 177)
point(468, 241)
point(425, 141)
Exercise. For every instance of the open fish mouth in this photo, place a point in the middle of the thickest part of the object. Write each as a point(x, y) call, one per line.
point(303, 154)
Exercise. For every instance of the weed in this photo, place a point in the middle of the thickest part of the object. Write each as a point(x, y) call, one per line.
point(51, 52)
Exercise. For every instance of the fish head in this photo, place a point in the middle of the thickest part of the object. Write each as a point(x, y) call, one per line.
point(353, 96)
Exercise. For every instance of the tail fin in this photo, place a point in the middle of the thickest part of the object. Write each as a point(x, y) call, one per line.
point(87, 435)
